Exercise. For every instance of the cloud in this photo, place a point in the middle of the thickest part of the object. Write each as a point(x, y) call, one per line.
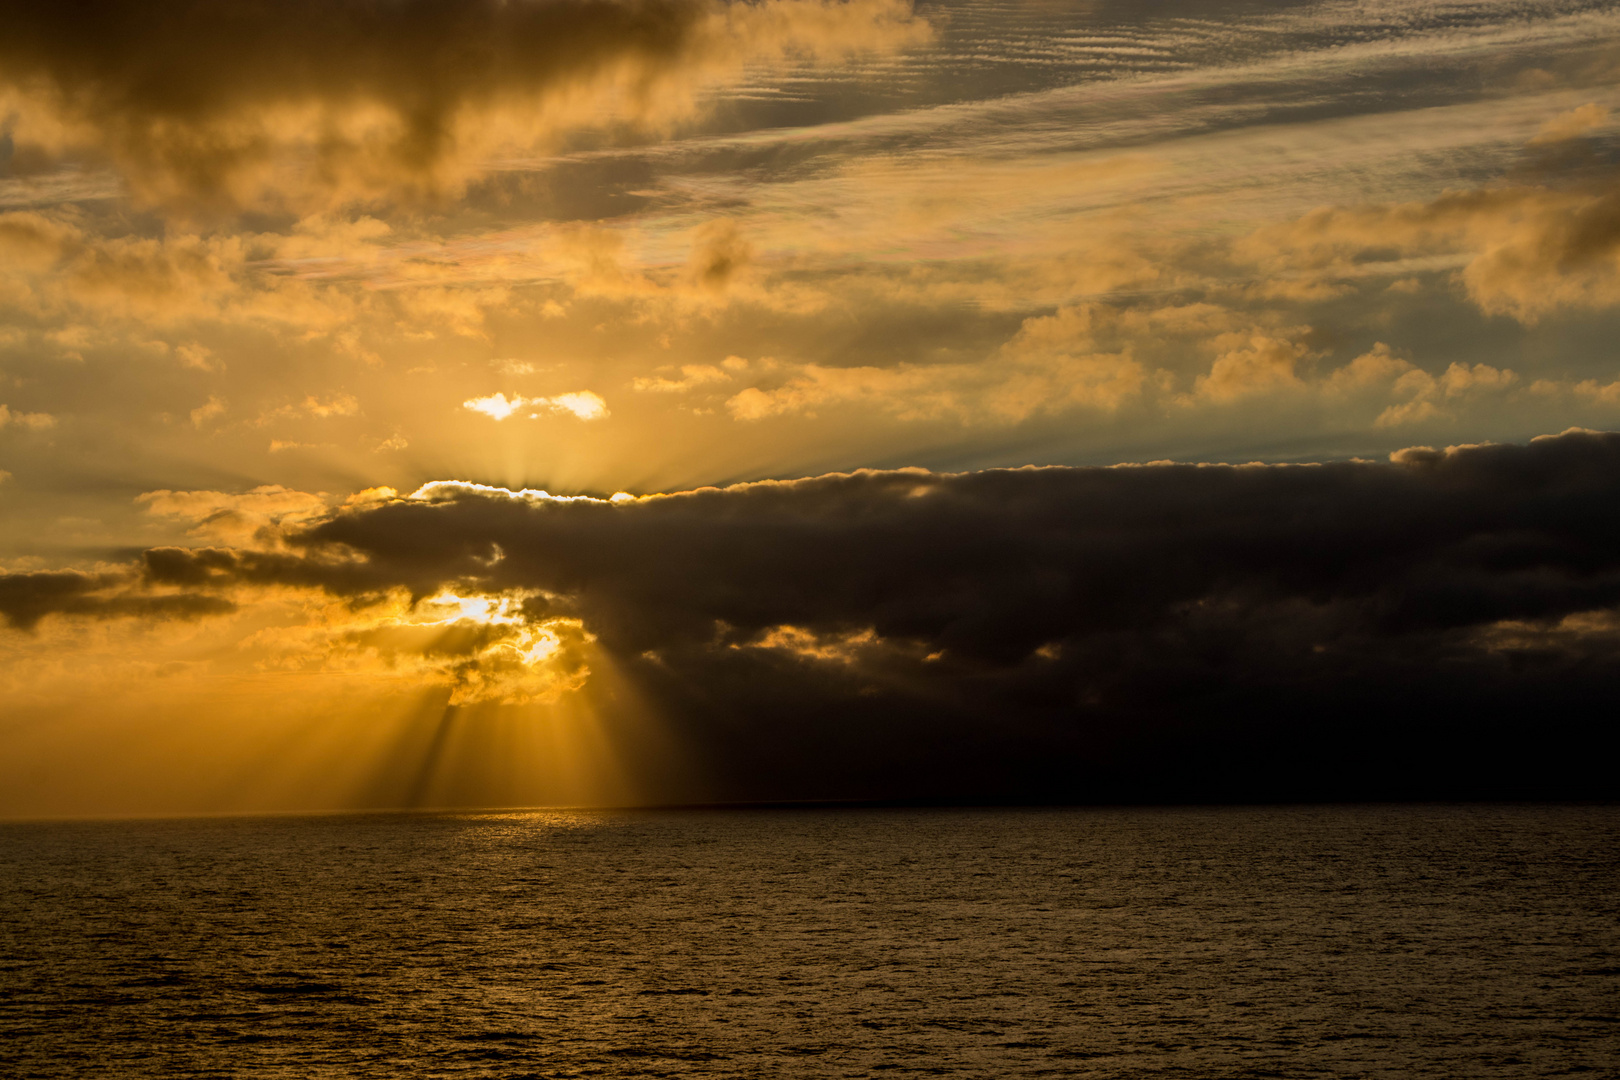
point(27, 598)
point(1259, 365)
point(245, 518)
point(31, 421)
point(720, 255)
point(212, 409)
point(1608, 393)
point(1571, 125)
point(1444, 622)
point(199, 357)
point(1379, 374)
point(1054, 363)
point(1129, 628)
point(692, 377)
point(55, 267)
point(582, 404)
point(313, 408)
point(1425, 392)
point(310, 101)
point(482, 647)
point(1523, 251)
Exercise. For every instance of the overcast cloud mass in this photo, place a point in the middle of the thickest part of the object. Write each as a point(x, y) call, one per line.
point(824, 324)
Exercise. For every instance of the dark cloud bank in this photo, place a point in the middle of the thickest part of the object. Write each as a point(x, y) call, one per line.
point(1433, 627)
point(200, 103)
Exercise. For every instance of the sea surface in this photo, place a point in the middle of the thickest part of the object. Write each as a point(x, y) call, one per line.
point(1276, 942)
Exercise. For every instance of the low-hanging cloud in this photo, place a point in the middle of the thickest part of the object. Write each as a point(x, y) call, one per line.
point(1446, 622)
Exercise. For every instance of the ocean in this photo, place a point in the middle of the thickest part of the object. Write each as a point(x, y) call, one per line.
point(1345, 941)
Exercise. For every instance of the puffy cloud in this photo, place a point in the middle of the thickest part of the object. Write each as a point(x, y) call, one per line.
point(212, 409)
point(1260, 365)
point(498, 406)
point(120, 275)
point(1375, 369)
point(1379, 375)
point(1571, 125)
point(1419, 395)
point(31, 421)
point(239, 105)
point(1608, 393)
point(582, 404)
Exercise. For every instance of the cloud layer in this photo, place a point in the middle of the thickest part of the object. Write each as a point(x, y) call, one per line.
point(1447, 623)
point(255, 257)
point(240, 104)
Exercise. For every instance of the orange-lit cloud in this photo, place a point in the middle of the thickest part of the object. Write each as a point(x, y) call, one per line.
point(29, 421)
point(256, 515)
point(582, 404)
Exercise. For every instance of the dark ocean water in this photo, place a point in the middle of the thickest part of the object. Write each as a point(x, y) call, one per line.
point(1290, 942)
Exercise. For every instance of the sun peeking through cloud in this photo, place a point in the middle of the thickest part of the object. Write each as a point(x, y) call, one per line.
point(512, 646)
point(502, 648)
point(520, 660)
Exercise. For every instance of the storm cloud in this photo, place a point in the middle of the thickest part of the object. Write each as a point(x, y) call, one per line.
point(1441, 624)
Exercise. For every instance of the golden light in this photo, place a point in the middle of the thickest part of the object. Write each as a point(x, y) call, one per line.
point(503, 610)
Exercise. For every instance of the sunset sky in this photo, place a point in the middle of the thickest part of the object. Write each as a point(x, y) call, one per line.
point(468, 402)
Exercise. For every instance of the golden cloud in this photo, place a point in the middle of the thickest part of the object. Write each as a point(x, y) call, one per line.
point(1523, 251)
point(1054, 363)
point(249, 518)
point(1249, 365)
point(581, 404)
point(484, 647)
point(1572, 124)
point(31, 421)
point(54, 267)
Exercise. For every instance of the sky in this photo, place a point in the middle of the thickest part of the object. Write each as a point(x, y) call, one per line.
point(605, 402)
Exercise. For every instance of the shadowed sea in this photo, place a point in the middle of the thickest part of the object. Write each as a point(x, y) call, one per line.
point(1473, 941)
